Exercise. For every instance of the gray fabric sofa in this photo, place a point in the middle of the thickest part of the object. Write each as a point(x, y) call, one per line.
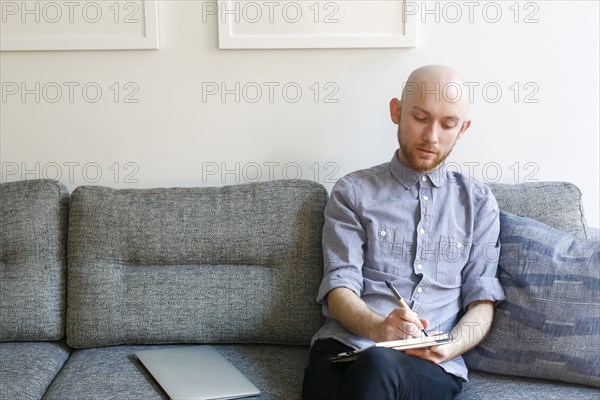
point(87, 279)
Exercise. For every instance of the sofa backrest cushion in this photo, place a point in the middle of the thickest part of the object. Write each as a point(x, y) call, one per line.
point(33, 228)
point(234, 264)
point(557, 204)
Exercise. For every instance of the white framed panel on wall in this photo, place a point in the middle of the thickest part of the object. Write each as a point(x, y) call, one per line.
point(27, 25)
point(314, 24)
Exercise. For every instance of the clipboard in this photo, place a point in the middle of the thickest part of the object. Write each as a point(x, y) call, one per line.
point(403, 344)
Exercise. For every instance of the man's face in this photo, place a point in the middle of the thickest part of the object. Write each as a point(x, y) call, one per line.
point(428, 129)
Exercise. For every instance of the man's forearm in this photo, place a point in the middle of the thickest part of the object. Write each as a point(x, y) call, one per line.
point(353, 313)
point(472, 327)
point(470, 330)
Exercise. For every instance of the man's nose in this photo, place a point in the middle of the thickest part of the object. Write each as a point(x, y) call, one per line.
point(431, 133)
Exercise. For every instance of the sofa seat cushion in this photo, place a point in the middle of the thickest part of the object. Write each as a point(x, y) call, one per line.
point(114, 373)
point(28, 368)
point(33, 229)
point(486, 386)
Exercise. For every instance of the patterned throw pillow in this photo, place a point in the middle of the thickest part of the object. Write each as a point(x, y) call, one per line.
point(549, 324)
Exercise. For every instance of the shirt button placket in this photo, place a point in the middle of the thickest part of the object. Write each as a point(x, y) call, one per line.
point(425, 223)
point(423, 232)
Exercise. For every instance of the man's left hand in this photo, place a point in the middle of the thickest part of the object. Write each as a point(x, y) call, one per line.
point(435, 354)
point(479, 314)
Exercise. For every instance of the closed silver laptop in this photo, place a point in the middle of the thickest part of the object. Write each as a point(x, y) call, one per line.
point(196, 373)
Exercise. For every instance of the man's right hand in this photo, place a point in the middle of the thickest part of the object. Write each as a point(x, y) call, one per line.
point(350, 311)
point(401, 323)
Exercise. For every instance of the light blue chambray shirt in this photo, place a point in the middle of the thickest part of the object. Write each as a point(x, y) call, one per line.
point(433, 235)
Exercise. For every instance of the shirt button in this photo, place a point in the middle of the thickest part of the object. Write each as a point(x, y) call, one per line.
point(425, 198)
point(422, 231)
point(383, 233)
point(419, 290)
point(459, 245)
point(424, 179)
point(419, 266)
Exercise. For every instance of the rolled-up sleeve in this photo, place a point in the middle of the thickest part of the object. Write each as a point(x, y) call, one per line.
point(344, 238)
point(479, 277)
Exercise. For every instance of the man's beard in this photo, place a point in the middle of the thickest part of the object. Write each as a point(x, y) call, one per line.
point(411, 158)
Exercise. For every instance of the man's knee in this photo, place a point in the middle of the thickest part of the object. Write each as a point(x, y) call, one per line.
point(377, 373)
point(384, 363)
point(322, 379)
point(383, 356)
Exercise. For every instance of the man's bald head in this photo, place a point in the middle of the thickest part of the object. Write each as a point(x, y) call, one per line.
point(436, 83)
point(431, 116)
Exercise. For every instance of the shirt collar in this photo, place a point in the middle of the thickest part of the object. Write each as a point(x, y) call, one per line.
point(408, 177)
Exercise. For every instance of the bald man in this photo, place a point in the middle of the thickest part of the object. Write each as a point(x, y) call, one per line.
point(432, 233)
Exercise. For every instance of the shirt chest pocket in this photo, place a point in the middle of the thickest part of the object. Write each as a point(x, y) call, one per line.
point(384, 250)
point(453, 253)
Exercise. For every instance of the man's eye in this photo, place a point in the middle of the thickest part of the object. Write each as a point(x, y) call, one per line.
point(449, 125)
point(420, 119)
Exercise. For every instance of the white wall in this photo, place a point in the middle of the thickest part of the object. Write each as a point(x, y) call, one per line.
point(171, 137)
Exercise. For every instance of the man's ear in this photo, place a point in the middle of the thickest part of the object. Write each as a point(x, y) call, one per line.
point(464, 128)
point(395, 110)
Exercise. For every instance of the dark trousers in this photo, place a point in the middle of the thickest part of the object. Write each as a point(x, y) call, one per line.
point(377, 374)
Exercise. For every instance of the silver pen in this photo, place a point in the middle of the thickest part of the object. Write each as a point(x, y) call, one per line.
point(401, 300)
